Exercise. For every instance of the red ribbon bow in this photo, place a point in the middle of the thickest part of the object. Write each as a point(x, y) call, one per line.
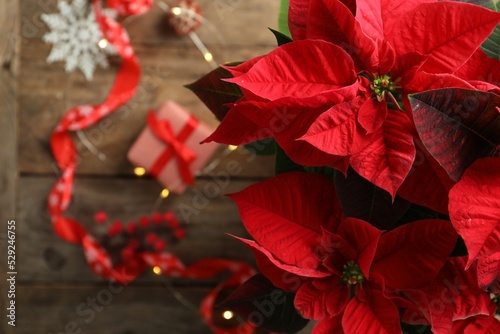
point(176, 147)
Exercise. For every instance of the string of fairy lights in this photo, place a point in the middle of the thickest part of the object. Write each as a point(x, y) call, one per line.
point(140, 171)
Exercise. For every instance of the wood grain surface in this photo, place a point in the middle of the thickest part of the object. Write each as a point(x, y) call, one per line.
point(54, 281)
point(9, 56)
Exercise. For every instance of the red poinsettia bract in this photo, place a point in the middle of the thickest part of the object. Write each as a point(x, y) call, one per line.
point(452, 303)
point(475, 213)
point(341, 87)
point(347, 272)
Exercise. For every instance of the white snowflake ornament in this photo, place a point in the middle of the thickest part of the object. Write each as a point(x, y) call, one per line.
point(75, 36)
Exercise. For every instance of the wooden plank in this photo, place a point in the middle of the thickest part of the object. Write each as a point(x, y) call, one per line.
point(46, 258)
point(229, 23)
point(83, 309)
point(9, 48)
point(44, 101)
point(104, 309)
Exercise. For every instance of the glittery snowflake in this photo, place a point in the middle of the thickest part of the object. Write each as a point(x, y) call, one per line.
point(75, 36)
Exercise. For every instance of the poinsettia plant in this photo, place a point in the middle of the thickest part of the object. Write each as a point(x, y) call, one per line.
point(384, 116)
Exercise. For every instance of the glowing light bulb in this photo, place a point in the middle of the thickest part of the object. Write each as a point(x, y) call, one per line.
point(208, 56)
point(157, 270)
point(139, 171)
point(165, 193)
point(228, 315)
point(232, 147)
point(103, 43)
point(176, 11)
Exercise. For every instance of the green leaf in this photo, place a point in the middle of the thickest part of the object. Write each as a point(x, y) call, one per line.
point(457, 126)
point(280, 37)
point(492, 45)
point(262, 147)
point(268, 307)
point(215, 93)
point(283, 18)
point(284, 164)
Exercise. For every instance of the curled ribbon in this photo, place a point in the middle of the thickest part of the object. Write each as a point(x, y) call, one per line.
point(65, 154)
point(176, 147)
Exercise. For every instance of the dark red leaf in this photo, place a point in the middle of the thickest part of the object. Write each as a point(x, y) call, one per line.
point(457, 126)
point(215, 93)
point(361, 199)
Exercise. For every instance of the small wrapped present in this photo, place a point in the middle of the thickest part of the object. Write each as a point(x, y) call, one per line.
point(169, 147)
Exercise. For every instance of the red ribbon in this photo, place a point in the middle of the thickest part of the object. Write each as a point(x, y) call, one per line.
point(65, 153)
point(183, 154)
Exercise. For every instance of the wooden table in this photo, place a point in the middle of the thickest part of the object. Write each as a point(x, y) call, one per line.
point(53, 279)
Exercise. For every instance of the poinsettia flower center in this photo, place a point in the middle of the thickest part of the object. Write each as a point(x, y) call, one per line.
point(352, 275)
point(382, 85)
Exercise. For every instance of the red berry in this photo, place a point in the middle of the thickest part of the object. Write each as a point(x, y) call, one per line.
point(131, 228)
point(100, 217)
point(127, 253)
point(115, 228)
point(168, 215)
point(151, 238)
point(144, 221)
point(160, 245)
point(180, 233)
point(157, 218)
point(173, 223)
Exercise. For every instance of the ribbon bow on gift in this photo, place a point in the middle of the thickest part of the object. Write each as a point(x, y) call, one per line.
point(176, 147)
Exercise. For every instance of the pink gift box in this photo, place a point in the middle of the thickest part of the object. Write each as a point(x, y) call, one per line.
point(163, 159)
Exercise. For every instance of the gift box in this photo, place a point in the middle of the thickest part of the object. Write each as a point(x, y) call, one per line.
point(169, 147)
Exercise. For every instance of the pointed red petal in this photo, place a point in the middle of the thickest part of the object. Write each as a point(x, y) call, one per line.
point(329, 325)
point(333, 21)
point(299, 69)
point(377, 17)
point(297, 18)
point(475, 208)
point(279, 277)
point(488, 273)
point(480, 67)
point(378, 316)
point(284, 215)
point(387, 156)
point(372, 115)
point(406, 66)
point(242, 68)
point(413, 254)
point(305, 272)
point(333, 131)
point(303, 152)
point(314, 303)
point(449, 32)
point(236, 128)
